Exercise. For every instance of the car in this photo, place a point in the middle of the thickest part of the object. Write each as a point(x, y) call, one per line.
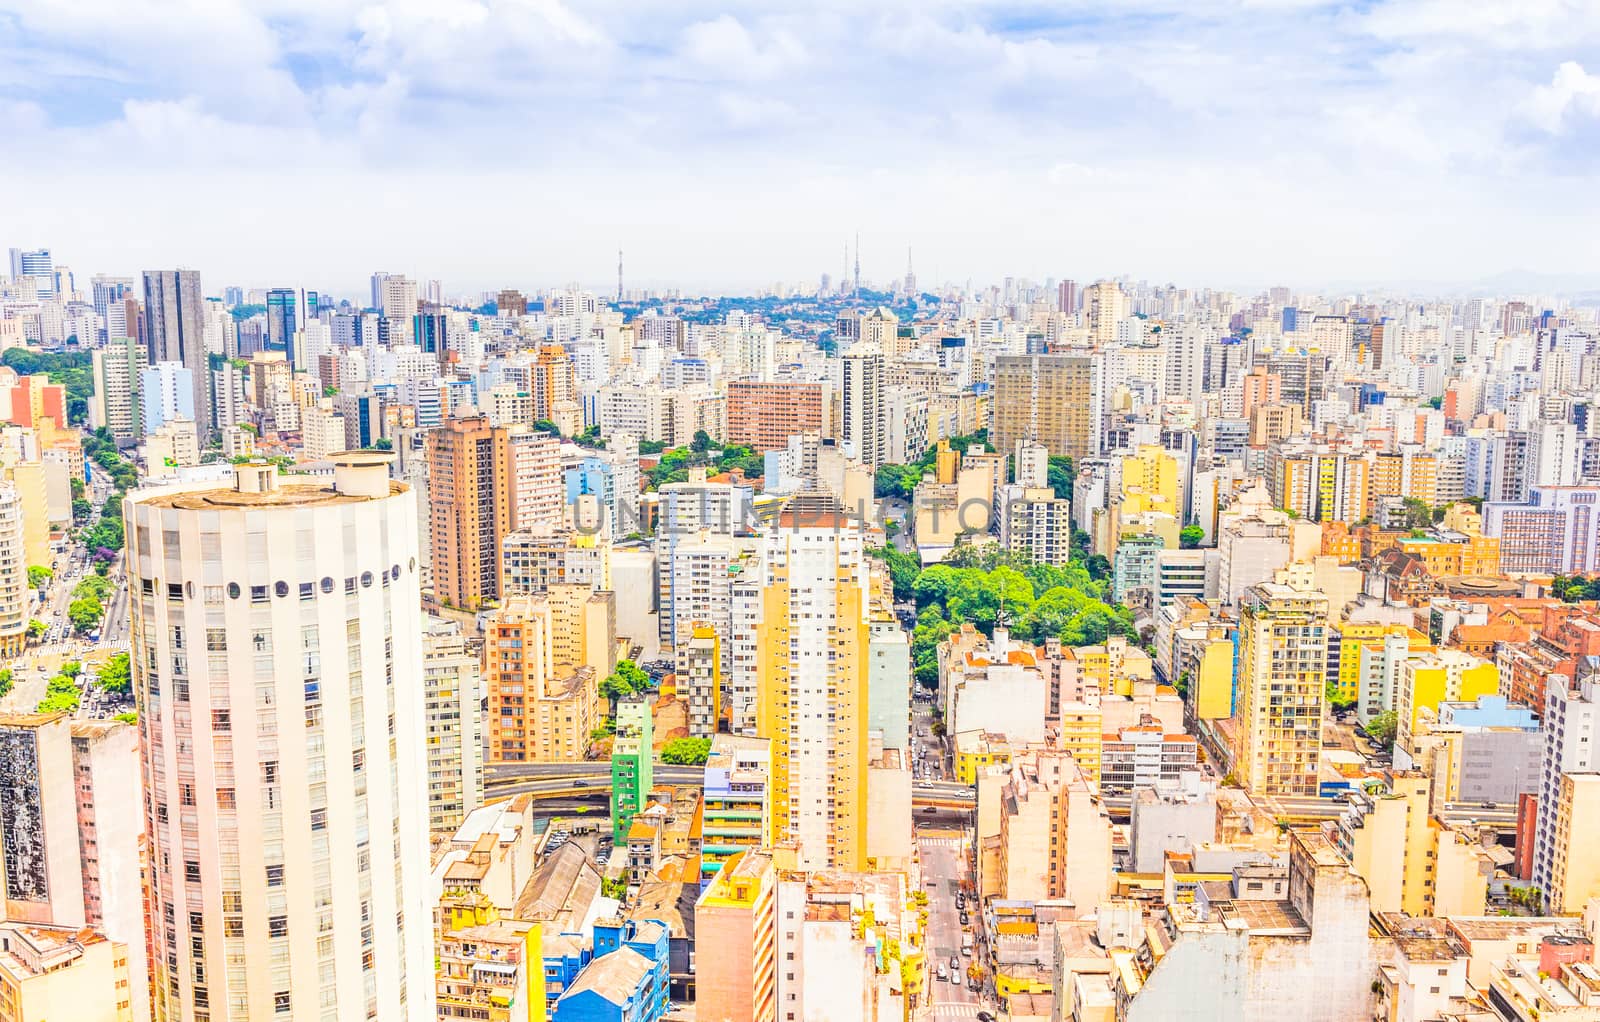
point(931, 809)
point(955, 964)
point(942, 973)
point(965, 921)
point(955, 977)
point(984, 1016)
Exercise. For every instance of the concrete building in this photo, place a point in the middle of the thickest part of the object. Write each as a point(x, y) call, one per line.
point(269, 844)
point(469, 512)
point(1574, 879)
point(15, 596)
point(1411, 861)
point(1143, 755)
point(1482, 750)
point(1055, 837)
point(1050, 400)
point(1172, 815)
point(453, 694)
point(738, 805)
point(632, 764)
point(1281, 678)
point(117, 404)
point(49, 973)
point(174, 313)
point(812, 642)
point(1038, 525)
point(863, 426)
point(765, 415)
point(544, 657)
point(699, 675)
point(737, 915)
point(1552, 532)
point(1571, 746)
point(535, 559)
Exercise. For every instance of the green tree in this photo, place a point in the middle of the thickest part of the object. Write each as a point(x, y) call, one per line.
point(701, 442)
point(84, 613)
point(614, 887)
point(116, 675)
point(72, 668)
point(5, 682)
point(686, 751)
point(128, 717)
point(1059, 475)
point(38, 575)
point(1381, 729)
point(36, 628)
point(1190, 536)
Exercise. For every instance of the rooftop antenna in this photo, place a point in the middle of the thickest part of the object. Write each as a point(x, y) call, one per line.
point(619, 274)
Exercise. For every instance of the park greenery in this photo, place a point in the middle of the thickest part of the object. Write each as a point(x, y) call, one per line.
point(1575, 588)
point(38, 575)
point(979, 585)
point(674, 463)
point(74, 370)
point(6, 682)
point(686, 751)
point(1190, 536)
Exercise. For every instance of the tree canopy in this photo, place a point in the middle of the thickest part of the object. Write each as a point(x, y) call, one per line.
point(900, 480)
point(686, 751)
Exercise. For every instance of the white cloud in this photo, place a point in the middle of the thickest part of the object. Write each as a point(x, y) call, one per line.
point(1572, 90)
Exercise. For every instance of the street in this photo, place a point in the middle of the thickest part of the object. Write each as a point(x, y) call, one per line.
point(943, 866)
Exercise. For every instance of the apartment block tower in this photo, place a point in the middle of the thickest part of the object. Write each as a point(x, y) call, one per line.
point(812, 647)
point(1047, 399)
point(174, 312)
point(469, 512)
point(278, 668)
point(1283, 650)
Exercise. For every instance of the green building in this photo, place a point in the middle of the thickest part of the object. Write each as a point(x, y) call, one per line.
point(632, 765)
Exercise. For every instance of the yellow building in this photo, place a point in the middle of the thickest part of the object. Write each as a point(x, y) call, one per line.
point(1411, 861)
point(1476, 555)
point(1113, 667)
point(1282, 664)
point(1575, 865)
point(1318, 483)
point(52, 973)
point(1082, 734)
point(1150, 481)
point(977, 751)
point(1436, 677)
point(1407, 473)
point(1353, 635)
point(541, 709)
point(813, 708)
point(1211, 680)
point(488, 968)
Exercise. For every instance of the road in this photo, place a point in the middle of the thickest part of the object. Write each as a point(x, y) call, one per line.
point(943, 866)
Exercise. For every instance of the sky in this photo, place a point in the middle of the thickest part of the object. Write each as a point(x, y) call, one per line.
point(725, 147)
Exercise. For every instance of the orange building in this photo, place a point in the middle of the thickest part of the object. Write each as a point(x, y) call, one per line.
point(469, 509)
point(766, 415)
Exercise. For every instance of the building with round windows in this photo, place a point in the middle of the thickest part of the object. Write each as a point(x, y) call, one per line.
point(277, 653)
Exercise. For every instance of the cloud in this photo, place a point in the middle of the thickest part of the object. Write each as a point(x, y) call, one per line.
point(1572, 91)
point(538, 135)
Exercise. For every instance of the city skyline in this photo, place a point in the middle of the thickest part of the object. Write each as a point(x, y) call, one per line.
point(1305, 144)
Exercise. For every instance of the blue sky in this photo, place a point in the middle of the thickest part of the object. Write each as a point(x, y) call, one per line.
point(735, 145)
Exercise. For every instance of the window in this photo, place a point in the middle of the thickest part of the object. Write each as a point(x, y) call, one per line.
point(319, 819)
point(280, 1002)
point(221, 720)
point(275, 875)
point(277, 926)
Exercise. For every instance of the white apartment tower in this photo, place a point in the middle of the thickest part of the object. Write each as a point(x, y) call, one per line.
point(861, 415)
point(278, 667)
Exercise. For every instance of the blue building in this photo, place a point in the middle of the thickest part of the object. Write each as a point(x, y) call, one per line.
point(619, 974)
point(282, 302)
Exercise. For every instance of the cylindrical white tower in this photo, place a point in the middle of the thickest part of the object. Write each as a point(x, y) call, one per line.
point(277, 653)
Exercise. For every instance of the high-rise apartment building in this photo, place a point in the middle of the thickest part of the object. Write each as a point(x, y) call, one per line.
point(738, 915)
point(862, 427)
point(537, 489)
point(1049, 400)
point(282, 305)
point(1571, 746)
point(277, 656)
point(452, 695)
point(1106, 306)
point(764, 415)
point(174, 312)
point(811, 648)
point(544, 657)
point(632, 764)
point(699, 674)
point(116, 404)
point(469, 509)
point(1283, 653)
point(399, 306)
point(737, 812)
point(15, 596)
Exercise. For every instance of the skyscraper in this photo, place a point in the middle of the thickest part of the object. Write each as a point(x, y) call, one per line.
point(36, 264)
point(282, 306)
point(174, 311)
point(469, 509)
point(277, 654)
point(1049, 400)
point(1283, 659)
point(811, 641)
point(861, 417)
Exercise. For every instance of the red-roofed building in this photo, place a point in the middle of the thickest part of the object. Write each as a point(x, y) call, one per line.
point(1566, 634)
